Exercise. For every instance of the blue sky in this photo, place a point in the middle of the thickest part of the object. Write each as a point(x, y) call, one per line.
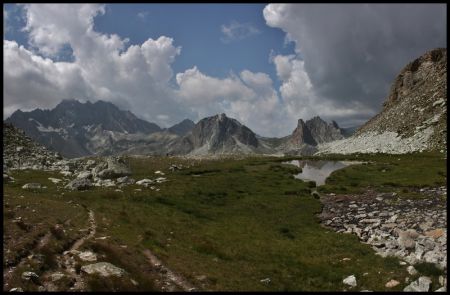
point(266, 65)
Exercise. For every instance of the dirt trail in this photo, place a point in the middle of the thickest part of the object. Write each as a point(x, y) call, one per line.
point(168, 276)
point(92, 230)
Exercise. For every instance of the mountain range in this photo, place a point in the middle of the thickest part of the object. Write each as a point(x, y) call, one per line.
point(413, 118)
point(77, 129)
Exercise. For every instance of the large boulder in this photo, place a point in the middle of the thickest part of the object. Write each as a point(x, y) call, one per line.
point(79, 184)
point(104, 269)
point(32, 186)
point(116, 168)
point(420, 285)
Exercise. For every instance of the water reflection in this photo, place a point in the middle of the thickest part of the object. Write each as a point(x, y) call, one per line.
point(318, 171)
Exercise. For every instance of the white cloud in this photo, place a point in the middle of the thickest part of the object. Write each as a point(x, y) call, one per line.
point(134, 78)
point(143, 15)
point(237, 31)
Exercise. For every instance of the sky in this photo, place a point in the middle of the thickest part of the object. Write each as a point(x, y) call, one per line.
point(266, 65)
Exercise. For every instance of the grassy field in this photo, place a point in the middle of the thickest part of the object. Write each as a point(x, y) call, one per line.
point(228, 224)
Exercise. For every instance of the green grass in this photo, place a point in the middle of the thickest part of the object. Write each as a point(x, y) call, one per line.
point(240, 221)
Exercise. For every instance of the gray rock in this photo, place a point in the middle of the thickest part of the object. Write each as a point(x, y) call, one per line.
point(57, 276)
point(411, 270)
point(32, 186)
point(29, 275)
point(85, 174)
point(18, 289)
point(104, 269)
point(79, 184)
point(420, 285)
point(441, 289)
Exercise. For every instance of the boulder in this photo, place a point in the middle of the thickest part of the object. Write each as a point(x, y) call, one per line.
point(87, 256)
point(116, 168)
point(411, 270)
point(350, 280)
point(32, 186)
point(85, 174)
point(392, 283)
point(79, 184)
point(436, 233)
point(29, 275)
point(420, 285)
point(104, 269)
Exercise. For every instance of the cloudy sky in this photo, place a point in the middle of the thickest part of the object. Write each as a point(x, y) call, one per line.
point(265, 65)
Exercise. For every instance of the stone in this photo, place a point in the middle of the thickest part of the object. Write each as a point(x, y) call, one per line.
point(79, 184)
point(159, 172)
point(85, 174)
point(57, 276)
point(144, 181)
point(420, 285)
point(441, 289)
point(125, 179)
point(88, 256)
point(392, 283)
point(66, 173)
point(116, 168)
point(55, 180)
point(411, 270)
point(104, 269)
point(265, 281)
point(350, 280)
point(435, 234)
point(32, 186)
point(18, 289)
point(29, 275)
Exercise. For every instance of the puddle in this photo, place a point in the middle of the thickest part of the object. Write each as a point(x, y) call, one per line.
point(318, 171)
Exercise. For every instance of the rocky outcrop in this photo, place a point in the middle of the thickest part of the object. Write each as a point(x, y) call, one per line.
point(414, 115)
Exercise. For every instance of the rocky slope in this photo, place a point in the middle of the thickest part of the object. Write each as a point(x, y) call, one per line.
point(79, 129)
point(21, 152)
point(414, 115)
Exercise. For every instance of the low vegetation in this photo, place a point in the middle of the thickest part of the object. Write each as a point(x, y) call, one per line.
point(222, 224)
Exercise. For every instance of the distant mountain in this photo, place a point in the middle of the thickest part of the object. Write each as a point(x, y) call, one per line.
point(217, 135)
point(414, 115)
point(182, 128)
point(74, 129)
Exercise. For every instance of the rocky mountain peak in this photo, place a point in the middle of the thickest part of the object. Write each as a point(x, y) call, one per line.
point(315, 131)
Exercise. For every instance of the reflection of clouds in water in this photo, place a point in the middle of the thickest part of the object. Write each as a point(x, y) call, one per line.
point(317, 171)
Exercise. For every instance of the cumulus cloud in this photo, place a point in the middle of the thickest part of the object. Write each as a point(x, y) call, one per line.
point(237, 31)
point(134, 78)
point(352, 52)
point(249, 97)
point(343, 75)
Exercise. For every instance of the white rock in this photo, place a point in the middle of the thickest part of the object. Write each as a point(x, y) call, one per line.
point(88, 256)
point(350, 280)
point(104, 269)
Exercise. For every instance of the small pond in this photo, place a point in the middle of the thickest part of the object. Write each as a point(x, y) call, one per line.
point(318, 170)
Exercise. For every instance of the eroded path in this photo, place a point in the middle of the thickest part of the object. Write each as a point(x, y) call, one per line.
point(170, 279)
